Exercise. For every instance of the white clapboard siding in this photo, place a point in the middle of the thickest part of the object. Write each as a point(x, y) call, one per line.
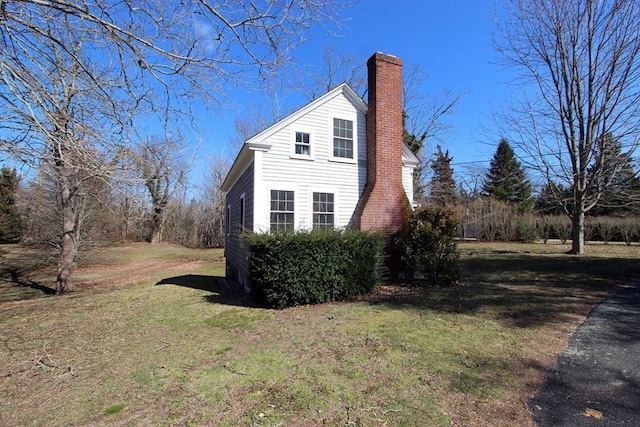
point(281, 169)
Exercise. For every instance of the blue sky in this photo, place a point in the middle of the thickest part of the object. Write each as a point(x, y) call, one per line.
point(450, 39)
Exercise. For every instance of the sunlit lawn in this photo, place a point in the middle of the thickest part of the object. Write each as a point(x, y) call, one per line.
point(180, 353)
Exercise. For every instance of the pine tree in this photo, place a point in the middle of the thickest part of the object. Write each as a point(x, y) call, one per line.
point(443, 185)
point(506, 179)
point(10, 221)
point(617, 181)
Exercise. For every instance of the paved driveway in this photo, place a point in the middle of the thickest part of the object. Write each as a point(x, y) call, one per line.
point(596, 381)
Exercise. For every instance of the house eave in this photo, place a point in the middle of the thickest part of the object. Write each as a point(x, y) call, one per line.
point(408, 158)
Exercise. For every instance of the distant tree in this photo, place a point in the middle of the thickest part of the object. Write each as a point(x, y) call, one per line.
point(10, 220)
point(424, 118)
point(163, 171)
point(442, 188)
point(613, 179)
point(579, 65)
point(506, 180)
point(552, 200)
point(335, 68)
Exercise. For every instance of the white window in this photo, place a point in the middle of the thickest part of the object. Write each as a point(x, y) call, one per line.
point(323, 210)
point(343, 138)
point(281, 210)
point(303, 144)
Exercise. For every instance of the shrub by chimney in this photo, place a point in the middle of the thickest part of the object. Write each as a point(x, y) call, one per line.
point(384, 205)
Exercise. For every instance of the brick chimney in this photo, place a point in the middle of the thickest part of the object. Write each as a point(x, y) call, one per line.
point(384, 205)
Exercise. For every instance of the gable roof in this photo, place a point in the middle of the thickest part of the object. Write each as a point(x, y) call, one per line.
point(260, 142)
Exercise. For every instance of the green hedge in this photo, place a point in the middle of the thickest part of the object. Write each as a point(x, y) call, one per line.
point(290, 269)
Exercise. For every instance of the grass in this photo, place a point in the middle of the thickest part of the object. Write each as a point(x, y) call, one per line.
point(149, 327)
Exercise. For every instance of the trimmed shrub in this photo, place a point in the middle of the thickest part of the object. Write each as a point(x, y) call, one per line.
point(290, 269)
point(428, 246)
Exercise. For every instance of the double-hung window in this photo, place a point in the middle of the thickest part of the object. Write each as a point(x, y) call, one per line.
point(281, 210)
point(323, 210)
point(343, 138)
point(303, 144)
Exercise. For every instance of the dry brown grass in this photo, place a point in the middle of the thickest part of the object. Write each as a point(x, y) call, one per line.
point(149, 340)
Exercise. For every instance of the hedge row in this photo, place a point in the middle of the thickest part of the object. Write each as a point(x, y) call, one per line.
point(290, 269)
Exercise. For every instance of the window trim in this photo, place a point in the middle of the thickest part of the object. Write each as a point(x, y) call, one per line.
point(313, 211)
point(354, 124)
point(293, 212)
point(228, 225)
point(312, 148)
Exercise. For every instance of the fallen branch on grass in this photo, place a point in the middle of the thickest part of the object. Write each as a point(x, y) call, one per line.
point(233, 371)
point(164, 345)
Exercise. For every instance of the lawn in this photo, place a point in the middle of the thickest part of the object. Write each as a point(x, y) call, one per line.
point(149, 339)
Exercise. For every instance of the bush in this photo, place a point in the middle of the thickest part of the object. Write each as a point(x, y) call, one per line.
point(290, 269)
point(428, 246)
point(527, 231)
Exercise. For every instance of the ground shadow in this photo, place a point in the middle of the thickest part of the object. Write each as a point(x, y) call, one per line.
point(221, 290)
point(525, 290)
point(15, 277)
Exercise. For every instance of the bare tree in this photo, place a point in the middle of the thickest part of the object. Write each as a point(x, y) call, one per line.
point(334, 69)
point(213, 220)
point(76, 76)
point(425, 122)
point(579, 63)
point(245, 127)
point(163, 170)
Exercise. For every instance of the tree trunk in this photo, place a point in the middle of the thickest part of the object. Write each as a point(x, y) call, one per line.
point(577, 229)
point(157, 222)
point(69, 247)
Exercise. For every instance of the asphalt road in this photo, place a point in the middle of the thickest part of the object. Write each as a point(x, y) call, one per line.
point(596, 380)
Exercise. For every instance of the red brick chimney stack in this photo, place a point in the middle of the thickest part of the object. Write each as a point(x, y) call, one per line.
point(384, 205)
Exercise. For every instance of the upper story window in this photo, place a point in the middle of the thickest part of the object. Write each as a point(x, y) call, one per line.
point(281, 210)
point(323, 210)
point(303, 144)
point(343, 138)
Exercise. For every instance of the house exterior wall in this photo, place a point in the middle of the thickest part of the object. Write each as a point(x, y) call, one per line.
point(281, 169)
point(407, 183)
point(234, 249)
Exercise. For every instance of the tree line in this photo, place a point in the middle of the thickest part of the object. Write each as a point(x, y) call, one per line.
point(504, 206)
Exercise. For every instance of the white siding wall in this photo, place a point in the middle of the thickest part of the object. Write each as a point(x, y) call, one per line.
point(281, 169)
point(407, 182)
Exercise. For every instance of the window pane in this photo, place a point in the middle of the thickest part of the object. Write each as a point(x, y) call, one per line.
point(281, 217)
point(302, 145)
point(323, 216)
point(343, 138)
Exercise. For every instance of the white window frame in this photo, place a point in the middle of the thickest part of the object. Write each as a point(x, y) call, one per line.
point(313, 211)
point(354, 123)
point(291, 212)
point(228, 220)
point(312, 148)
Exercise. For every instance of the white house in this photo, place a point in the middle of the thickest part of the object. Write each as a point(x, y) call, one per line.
point(336, 162)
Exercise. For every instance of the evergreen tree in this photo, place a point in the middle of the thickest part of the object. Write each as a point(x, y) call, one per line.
point(612, 174)
point(552, 199)
point(443, 185)
point(506, 179)
point(10, 221)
